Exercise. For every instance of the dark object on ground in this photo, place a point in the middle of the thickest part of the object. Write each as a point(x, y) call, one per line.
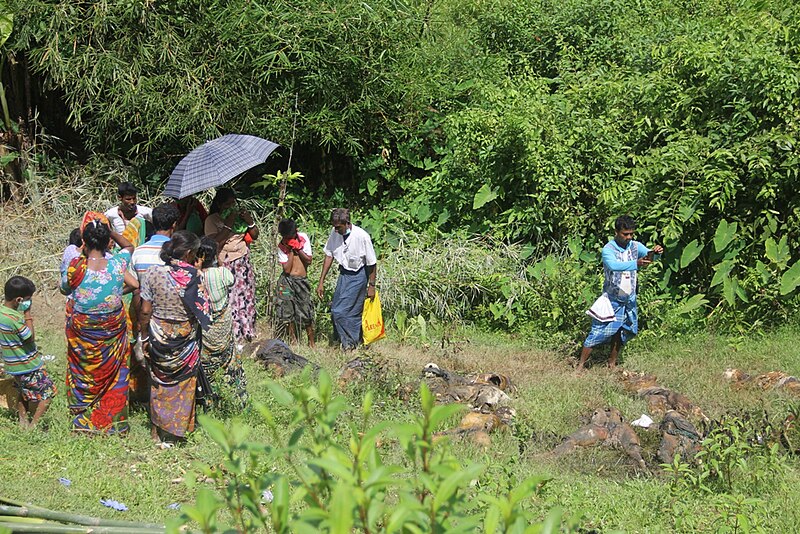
point(659, 399)
point(770, 380)
point(501, 382)
point(379, 372)
point(609, 429)
point(355, 370)
point(662, 400)
point(678, 437)
point(634, 382)
point(477, 426)
point(790, 436)
point(479, 392)
point(276, 356)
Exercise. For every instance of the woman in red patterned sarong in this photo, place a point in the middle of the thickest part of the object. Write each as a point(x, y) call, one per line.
point(97, 332)
point(174, 308)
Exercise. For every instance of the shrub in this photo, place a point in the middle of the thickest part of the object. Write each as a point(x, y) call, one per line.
point(327, 472)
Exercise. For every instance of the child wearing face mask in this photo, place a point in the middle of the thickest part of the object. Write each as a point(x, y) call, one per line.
point(21, 357)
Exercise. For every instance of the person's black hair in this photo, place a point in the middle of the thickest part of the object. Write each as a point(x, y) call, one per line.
point(624, 222)
point(75, 237)
point(340, 215)
point(149, 230)
point(287, 228)
point(96, 236)
point(223, 195)
point(165, 216)
point(182, 241)
point(126, 189)
point(207, 252)
point(19, 286)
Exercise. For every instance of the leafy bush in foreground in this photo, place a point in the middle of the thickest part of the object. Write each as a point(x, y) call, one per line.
point(330, 474)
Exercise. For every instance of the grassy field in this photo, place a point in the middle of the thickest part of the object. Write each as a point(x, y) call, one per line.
point(601, 486)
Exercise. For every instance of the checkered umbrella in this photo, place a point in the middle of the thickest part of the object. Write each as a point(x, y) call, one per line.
point(216, 162)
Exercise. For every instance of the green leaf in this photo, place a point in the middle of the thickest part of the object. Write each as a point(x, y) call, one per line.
point(790, 279)
point(11, 156)
point(215, 430)
point(722, 270)
point(426, 398)
point(452, 483)
point(341, 509)
point(366, 404)
point(491, 520)
point(6, 23)
point(692, 303)
point(527, 251)
point(372, 186)
point(729, 287)
point(334, 467)
point(724, 235)
point(281, 394)
point(441, 413)
point(527, 488)
point(324, 385)
point(484, 195)
point(552, 523)
point(778, 253)
point(690, 253)
point(280, 505)
point(444, 216)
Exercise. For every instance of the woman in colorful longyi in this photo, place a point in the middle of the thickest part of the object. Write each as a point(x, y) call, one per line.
point(97, 332)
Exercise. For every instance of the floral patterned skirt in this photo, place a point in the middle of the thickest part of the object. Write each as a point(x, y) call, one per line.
point(174, 361)
point(242, 299)
point(35, 386)
point(97, 371)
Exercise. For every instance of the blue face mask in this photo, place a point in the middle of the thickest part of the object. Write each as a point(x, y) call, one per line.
point(24, 306)
point(347, 233)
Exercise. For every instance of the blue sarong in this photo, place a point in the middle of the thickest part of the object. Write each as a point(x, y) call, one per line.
point(626, 322)
point(348, 305)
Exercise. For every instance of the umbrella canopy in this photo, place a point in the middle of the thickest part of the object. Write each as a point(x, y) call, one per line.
point(216, 162)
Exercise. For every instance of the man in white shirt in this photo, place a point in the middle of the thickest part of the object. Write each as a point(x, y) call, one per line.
point(120, 215)
point(352, 249)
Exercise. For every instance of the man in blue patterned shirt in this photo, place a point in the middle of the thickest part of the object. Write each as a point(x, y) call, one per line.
point(622, 258)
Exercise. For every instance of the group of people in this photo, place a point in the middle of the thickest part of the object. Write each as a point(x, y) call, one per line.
point(158, 314)
point(155, 312)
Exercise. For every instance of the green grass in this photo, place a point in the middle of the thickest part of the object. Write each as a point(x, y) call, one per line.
point(551, 401)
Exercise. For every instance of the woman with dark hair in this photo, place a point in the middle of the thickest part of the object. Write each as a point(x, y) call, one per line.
point(218, 353)
point(174, 307)
point(233, 229)
point(97, 332)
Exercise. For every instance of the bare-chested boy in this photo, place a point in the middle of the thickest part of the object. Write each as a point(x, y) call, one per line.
point(293, 305)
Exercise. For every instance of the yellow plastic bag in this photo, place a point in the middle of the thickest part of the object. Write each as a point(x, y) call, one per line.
point(372, 320)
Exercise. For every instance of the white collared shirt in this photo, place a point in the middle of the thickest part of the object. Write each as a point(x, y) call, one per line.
point(118, 222)
point(352, 253)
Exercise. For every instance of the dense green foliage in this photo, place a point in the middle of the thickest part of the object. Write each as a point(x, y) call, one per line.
point(533, 121)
